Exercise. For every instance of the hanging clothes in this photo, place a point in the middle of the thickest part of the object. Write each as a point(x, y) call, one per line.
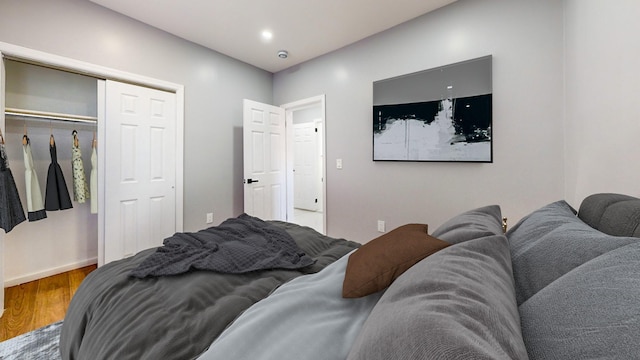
point(93, 181)
point(80, 187)
point(35, 205)
point(57, 196)
point(11, 211)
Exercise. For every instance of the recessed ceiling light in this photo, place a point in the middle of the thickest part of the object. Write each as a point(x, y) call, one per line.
point(267, 35)
point(449, 87)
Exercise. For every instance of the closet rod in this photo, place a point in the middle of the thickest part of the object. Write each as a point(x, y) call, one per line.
point(45, 116)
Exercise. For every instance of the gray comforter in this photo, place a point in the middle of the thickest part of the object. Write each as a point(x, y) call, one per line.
point(115, 316)
point(238, 245)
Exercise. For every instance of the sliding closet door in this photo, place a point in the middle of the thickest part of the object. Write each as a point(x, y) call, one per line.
point(140, 169)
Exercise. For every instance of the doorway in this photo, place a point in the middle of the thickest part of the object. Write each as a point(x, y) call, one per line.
point(306, 163)
point(269, 146)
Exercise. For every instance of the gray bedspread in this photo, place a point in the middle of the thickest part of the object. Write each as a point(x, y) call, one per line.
point(115, 316)
point(238, 245)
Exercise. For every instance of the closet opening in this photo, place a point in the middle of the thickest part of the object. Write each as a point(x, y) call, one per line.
point(42, 105)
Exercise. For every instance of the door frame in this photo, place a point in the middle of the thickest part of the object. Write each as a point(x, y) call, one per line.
point(289, 108)
point(2, 128)
point(36, 57)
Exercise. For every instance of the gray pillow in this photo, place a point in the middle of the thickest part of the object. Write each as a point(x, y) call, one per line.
point(473, 224)
point(592, 312)
point(551, 241)
point(613, 214)
point(458, 303)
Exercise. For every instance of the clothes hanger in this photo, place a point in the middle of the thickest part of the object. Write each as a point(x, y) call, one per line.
point(1, 137)
point(52, 141)
point(94, 142)
point(76, 142)
point(25, 138)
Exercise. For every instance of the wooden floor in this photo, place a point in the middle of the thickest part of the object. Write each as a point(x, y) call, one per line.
point(39, 303)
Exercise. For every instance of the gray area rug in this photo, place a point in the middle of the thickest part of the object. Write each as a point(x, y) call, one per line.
point(40, 344)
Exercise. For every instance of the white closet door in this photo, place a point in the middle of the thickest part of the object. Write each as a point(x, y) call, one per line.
point(140, 169)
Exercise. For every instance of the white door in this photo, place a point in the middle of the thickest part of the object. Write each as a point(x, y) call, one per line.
point(305, 166)
point(140, 169)
point(264, 144)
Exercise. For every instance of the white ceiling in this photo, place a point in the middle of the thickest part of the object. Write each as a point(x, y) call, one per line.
point(305, 28)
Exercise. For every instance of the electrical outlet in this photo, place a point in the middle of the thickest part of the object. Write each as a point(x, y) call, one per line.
point(339, 164)
point(209, 218)
point(381, 226)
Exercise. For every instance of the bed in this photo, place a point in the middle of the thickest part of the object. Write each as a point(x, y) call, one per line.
point(559, 284)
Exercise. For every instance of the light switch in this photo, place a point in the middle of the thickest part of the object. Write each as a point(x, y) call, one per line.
point(339, 163)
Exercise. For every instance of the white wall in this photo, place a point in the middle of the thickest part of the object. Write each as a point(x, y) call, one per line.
point(602, 92)
point(307, 115)
point(526, 41)
point(214, 88)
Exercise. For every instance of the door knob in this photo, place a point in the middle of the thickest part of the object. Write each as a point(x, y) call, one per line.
point(249, 181)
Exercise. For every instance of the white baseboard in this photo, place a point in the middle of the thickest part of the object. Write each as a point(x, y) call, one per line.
point(49, 272)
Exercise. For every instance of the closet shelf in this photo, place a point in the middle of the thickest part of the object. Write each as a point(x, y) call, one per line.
point(46, 116)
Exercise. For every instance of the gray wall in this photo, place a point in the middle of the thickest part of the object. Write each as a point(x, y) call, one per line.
point(525, 39)
point(214, 88)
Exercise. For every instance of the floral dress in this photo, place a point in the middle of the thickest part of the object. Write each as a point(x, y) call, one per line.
point(80, 187)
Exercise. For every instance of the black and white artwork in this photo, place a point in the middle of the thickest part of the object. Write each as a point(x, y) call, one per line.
point(441, 114)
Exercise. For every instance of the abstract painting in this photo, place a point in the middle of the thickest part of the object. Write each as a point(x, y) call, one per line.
point(441, 114)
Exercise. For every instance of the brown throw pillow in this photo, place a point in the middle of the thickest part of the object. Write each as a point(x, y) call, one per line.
point(376, 264)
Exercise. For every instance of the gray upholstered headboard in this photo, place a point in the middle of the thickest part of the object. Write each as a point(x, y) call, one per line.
point(613, 214)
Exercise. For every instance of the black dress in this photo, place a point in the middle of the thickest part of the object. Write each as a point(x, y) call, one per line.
point(57, 197)
point(11, 211)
